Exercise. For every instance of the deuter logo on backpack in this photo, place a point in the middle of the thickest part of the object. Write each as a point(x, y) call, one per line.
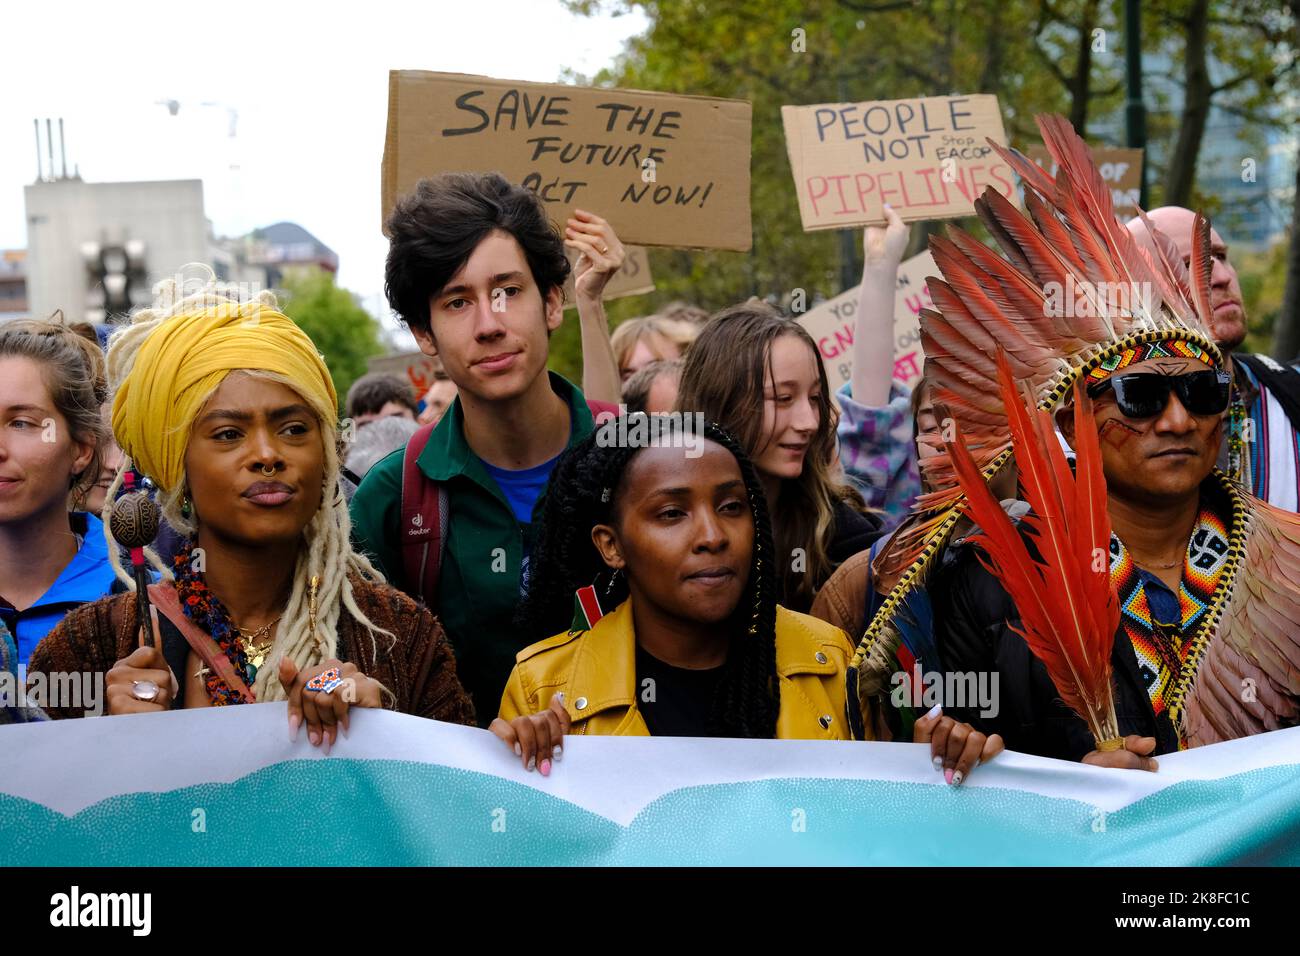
point(417, 525)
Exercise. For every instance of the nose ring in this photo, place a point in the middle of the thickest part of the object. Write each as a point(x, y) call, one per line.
point(268, 472)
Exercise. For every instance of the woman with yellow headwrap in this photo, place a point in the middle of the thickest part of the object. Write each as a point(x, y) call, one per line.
point(229, 410)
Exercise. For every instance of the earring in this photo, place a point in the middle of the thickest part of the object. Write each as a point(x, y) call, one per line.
point(609, 588)
point(187, 508)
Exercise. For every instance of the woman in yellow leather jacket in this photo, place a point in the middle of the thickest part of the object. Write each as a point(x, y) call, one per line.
point(676, 631)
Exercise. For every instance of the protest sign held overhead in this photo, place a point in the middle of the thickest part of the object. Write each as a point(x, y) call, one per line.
point(1120, 168)
point(632, 278)
point(664, 169)
point(832, 324)
point(929, 158)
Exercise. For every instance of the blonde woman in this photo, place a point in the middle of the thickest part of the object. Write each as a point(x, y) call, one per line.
point(52, 555)
point(638, 342)
point(228, 408)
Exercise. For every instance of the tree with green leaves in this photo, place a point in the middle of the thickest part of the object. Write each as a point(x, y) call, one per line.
point(818, 51)
point(1239, 57)
point(345, 333)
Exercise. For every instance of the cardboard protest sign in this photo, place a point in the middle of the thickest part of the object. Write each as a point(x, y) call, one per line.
point(928, 158)
point(665, 170)
point(1120, 168)
point(832, 323)
point(414, 367)
point(632, 279)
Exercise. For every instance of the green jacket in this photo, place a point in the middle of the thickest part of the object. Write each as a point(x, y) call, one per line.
point(479, 586)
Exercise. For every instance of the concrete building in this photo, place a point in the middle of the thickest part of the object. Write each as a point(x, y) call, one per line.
point(95, 250)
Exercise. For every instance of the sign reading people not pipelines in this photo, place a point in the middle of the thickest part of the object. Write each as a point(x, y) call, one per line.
point(928, 158)
point(664, 170)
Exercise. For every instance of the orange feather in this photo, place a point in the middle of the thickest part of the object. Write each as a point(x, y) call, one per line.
point(1068, 608)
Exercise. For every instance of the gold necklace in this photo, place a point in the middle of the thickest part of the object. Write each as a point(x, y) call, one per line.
point(255, 652)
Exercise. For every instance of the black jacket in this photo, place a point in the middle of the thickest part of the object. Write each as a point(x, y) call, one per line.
point(973, 616)
point(853, 531)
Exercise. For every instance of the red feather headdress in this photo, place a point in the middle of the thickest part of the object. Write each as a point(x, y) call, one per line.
point(1245, 659)
point(1073, 290)
point(1068, 606)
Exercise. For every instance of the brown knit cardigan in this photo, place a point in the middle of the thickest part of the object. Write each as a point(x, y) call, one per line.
point(420, 668)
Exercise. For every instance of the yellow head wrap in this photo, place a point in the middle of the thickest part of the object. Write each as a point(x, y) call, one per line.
point(186, 357)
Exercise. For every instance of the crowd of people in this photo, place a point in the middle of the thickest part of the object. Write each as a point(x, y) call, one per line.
point(765, 561)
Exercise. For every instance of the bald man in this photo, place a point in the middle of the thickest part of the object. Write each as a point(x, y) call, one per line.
point(1268, 392)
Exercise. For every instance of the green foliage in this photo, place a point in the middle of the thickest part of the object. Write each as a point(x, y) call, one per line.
point(1028, 54)
point(852, 52)
point(1263, 280)
point(342, 330)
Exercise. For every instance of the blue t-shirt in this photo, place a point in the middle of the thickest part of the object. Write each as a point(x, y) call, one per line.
point(522, 488)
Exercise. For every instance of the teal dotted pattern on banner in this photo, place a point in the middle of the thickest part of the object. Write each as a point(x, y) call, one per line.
point(380, 812)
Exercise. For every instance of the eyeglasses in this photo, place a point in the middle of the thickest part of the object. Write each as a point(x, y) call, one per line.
point(1145, 395)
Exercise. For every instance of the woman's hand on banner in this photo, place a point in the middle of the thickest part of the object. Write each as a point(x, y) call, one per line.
point(955, 748)
point(536, 739)
point(321, 697)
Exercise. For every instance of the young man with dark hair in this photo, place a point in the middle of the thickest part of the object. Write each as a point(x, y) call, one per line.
point(477, 271)
point(379, 395)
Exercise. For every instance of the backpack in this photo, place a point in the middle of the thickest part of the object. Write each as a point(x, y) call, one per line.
point(423, 537)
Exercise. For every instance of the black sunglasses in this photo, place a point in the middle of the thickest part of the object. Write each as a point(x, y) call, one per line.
point(1145, 395)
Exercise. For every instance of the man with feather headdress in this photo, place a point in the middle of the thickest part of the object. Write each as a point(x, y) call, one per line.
point(1166, 592)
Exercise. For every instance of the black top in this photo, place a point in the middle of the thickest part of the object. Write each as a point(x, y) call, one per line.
point(974, 625)
point(851, 532)
point(674, 701)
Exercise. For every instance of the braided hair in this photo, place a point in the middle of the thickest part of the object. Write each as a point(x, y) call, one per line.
point(582, 493)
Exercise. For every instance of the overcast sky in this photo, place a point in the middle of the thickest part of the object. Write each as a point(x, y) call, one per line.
point(309, 82)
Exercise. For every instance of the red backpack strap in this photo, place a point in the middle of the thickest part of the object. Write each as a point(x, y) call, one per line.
point(423, 529)
point(601, 410)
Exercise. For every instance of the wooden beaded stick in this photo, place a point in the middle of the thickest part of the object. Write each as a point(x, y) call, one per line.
point(134, 524)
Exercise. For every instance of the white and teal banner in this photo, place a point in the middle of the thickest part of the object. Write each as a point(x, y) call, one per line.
point(226, 787)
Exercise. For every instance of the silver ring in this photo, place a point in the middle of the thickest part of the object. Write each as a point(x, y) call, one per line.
point(144, 690)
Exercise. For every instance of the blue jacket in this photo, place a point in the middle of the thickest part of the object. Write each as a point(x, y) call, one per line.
point(87, 577)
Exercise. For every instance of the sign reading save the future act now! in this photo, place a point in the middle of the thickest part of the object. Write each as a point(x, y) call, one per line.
point(832, 325)
point(929, 158)
point(135, 790)
point(665, 170)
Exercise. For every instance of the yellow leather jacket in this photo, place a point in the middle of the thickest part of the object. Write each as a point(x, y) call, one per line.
point(596, 671)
